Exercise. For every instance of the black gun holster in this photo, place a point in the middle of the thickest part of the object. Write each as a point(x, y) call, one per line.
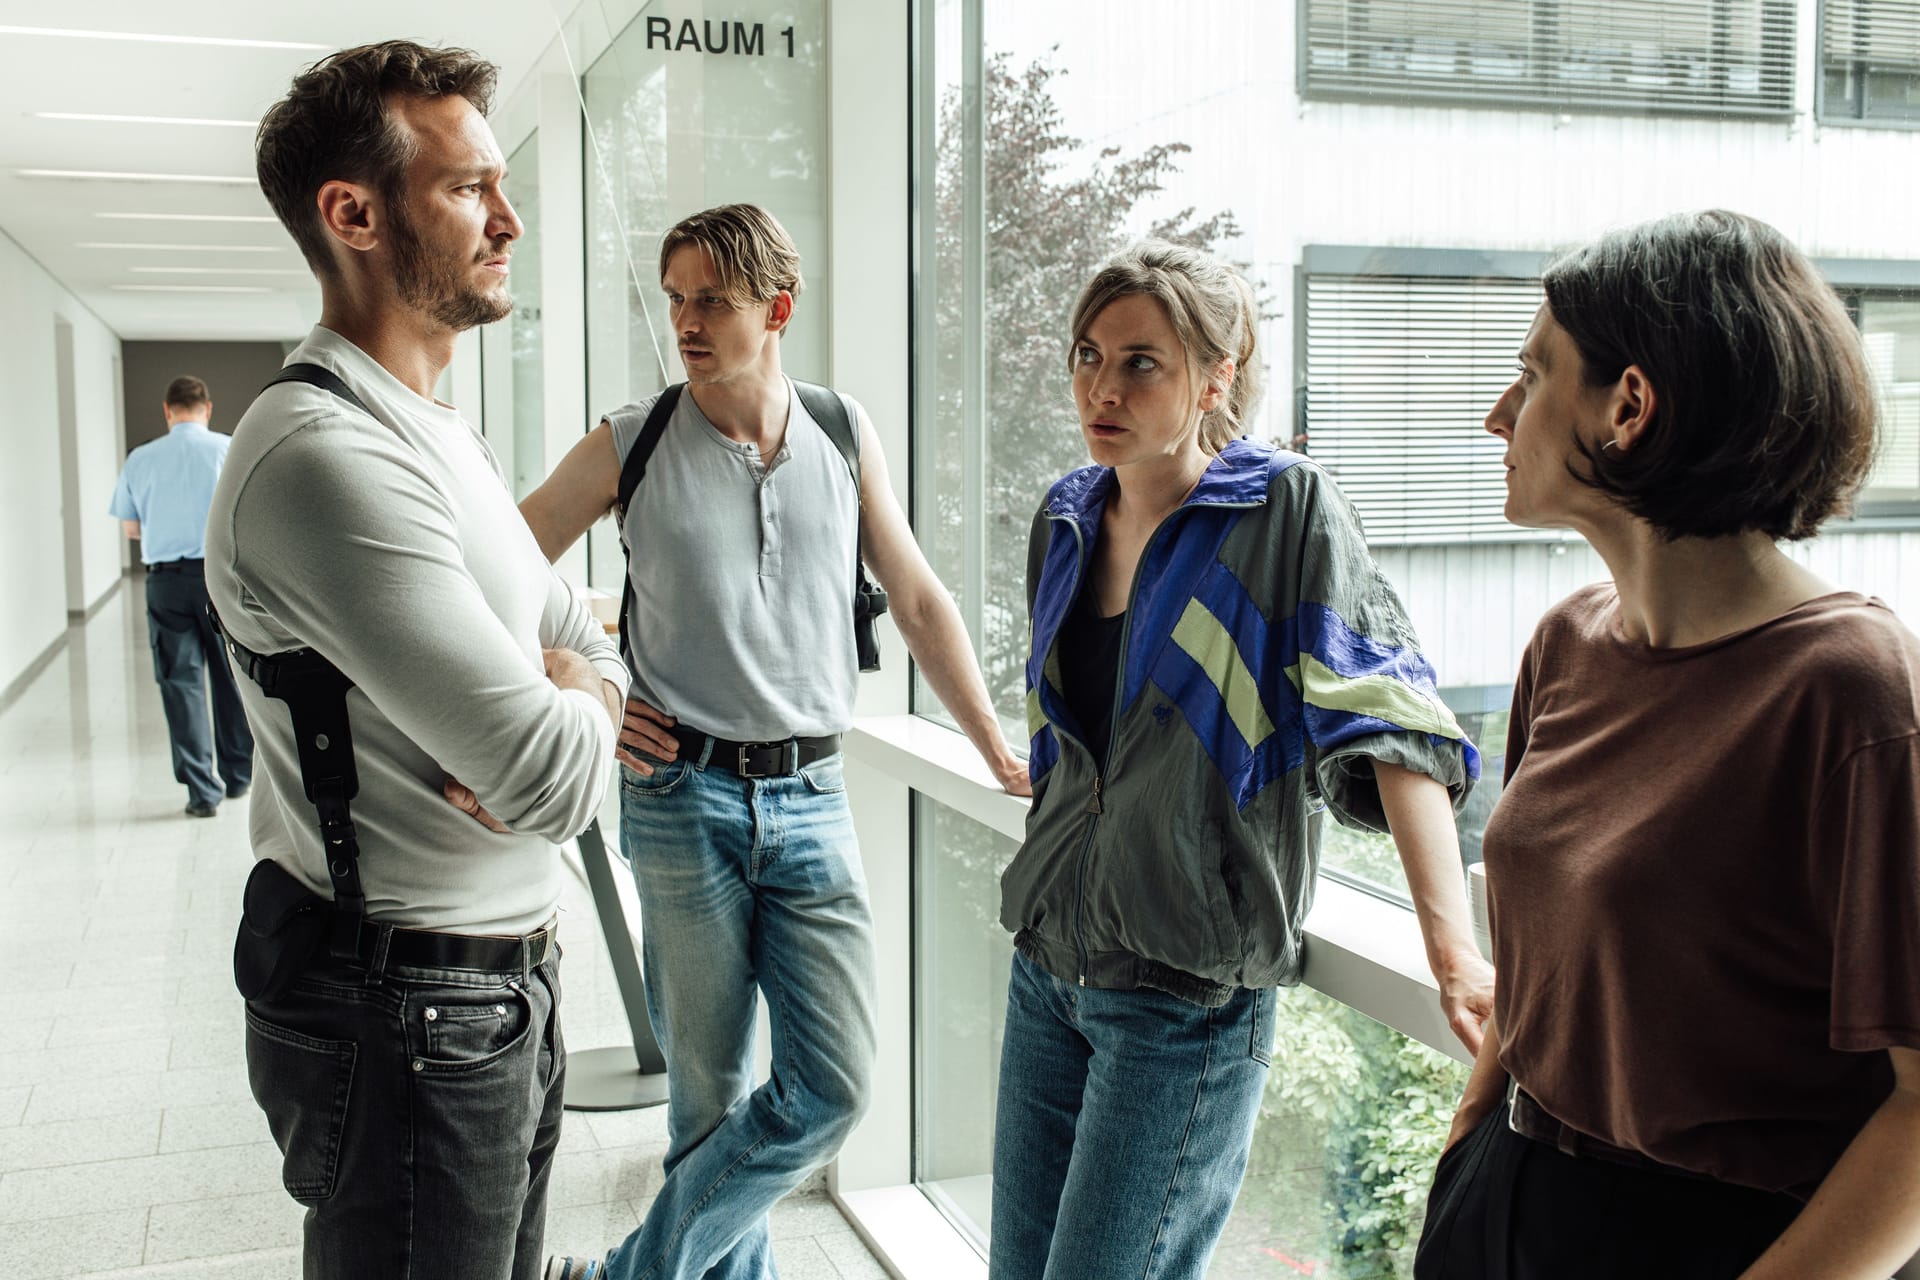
point(283, 924)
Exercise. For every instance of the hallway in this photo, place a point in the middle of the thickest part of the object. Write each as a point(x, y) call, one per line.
point(129, 1145)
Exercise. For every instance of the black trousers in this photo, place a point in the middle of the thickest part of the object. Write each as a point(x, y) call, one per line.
point(1504, 1207)
point(187, 656)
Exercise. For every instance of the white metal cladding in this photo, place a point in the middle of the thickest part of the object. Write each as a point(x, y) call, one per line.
point(1400, 374)
point(1717, 57)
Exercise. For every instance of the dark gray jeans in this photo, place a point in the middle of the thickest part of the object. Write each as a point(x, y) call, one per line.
point(418, 1111)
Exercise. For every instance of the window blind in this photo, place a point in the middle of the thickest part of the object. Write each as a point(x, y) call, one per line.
point(1870, 57)
point(1400, 374)
point(1714, 57)
point(1882, 33)
point(1890, 332)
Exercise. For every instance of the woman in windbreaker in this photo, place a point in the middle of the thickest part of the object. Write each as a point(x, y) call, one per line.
point(1215, 660)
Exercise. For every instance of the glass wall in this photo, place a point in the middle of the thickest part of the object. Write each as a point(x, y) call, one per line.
point(1391, 178)
point(524, 455)
point(963, 955)
point(1352, 1123)
point(682, 115)
point(1393, 246)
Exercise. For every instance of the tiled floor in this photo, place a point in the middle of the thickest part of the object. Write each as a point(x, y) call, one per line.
point(129, 1146)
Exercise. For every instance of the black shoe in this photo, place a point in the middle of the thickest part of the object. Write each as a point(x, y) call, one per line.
point(196, 809)
point(234, 793)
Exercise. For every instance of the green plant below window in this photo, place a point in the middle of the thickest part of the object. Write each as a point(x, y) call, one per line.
point(1353, 1123)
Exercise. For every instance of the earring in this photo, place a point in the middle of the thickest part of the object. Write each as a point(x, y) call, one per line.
point(1611, 444)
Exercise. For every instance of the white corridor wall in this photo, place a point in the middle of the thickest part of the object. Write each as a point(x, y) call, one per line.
point(33, 577)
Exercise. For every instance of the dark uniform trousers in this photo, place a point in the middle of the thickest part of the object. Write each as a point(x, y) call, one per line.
point(187, 654)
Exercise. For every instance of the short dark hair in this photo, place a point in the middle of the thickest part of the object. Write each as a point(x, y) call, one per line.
point(1764, 413)
point(334, 123)
point(187, 392)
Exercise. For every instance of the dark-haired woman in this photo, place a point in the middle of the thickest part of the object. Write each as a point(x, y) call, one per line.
point(1215, 660)
point(1704, 872)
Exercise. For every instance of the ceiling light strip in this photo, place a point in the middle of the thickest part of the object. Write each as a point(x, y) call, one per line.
point(192, 217)
point(146, 37)
point(185, 248)
point(192, 288)
point(102, 175)
point(222, 271)
point(89, 118)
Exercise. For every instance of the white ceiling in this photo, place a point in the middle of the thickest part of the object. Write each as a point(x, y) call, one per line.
point(53, 218)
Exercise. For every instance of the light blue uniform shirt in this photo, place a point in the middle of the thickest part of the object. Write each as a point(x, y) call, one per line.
point(167, 485)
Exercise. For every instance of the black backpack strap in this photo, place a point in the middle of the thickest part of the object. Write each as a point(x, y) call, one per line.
point(824, 406)
point(632, 470)
point(635, 465)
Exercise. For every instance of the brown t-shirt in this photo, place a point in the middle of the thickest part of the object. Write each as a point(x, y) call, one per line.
point(1705, 884)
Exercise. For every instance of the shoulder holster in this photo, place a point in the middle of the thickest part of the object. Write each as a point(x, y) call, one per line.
point(315, 692)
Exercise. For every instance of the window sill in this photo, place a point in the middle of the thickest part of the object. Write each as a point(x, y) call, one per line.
point(909, 1236)
point(1892, 124)
point(1361, 950)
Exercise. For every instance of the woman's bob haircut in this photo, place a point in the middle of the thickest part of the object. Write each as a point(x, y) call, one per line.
point(1764, 413)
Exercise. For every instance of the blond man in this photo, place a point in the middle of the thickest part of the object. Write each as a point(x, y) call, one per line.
point(742, 538)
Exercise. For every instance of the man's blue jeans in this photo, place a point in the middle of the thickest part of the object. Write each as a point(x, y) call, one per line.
point(745, 884)
point(1123, 1127)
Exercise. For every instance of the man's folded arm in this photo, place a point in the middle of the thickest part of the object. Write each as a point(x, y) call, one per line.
point(352, 549)
point(567, 623)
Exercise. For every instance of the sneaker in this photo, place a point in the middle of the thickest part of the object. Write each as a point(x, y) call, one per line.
point(200, 809)
point(234, 793)
point(573, 1269)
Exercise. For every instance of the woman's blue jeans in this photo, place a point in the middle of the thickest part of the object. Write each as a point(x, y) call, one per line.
point(1123, 1127)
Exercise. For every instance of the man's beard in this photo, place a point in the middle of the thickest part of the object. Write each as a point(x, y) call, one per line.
point(435, 282)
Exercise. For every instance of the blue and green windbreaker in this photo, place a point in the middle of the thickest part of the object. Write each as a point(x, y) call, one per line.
point(1265, 663)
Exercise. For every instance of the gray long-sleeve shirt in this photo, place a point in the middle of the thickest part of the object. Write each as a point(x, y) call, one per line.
point(394, 549)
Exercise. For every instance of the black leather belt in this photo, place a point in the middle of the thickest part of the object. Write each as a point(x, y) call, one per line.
point(1530, 1120)
point(488, 953)
point(755, 759)
point(178, 566)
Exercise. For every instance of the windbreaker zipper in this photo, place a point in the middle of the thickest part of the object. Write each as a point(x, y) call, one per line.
point(1095, 805)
